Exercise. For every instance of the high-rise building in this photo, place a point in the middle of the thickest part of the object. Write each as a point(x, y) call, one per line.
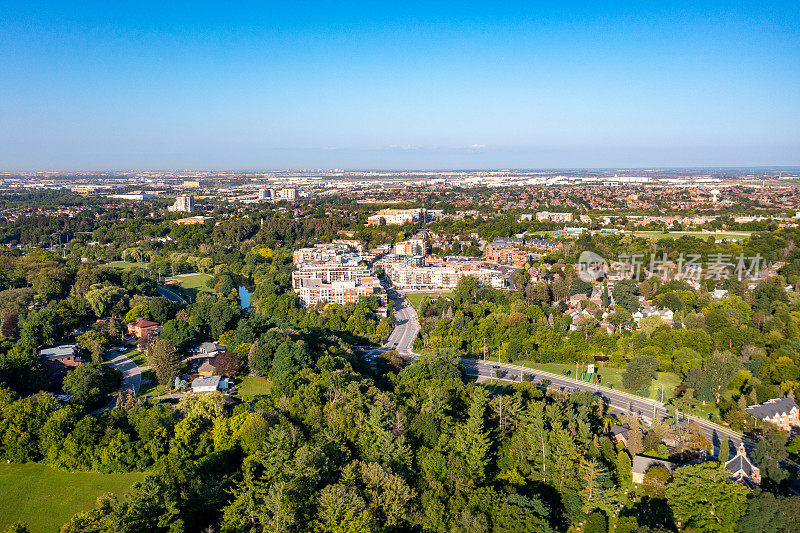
point(289, 193)
point(183, 204)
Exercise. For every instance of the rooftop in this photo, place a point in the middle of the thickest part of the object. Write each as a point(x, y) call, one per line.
point(772, 408)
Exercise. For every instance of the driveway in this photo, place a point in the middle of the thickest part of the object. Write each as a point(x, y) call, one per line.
point(131, 374)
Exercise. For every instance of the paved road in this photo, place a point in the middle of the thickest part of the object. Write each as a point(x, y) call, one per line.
point(406, 326)
point(616, 399)
point(168, 294)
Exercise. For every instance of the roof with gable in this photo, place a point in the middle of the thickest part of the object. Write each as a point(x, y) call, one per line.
point(206, 367)
point(740, 463)
point(772, 408)
point(618, 429)
point(142, 323)
point(641, 464)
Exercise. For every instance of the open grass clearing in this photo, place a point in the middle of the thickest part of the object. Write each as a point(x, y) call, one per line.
point(611, 377)
point(417, 297)
point(733, 235)
point(45, 499)
point(253, 386)
point(125, 265)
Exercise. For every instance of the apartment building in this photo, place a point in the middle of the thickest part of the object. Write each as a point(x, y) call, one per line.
point(547, 216)
point(321, 253)
point(390, 217)
point(313, 290)
point(329, 273)
point(413, 246)
point(406, 276)
point(183, 204)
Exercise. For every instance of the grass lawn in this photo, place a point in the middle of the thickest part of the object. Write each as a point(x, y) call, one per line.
point(734, 235)
point(125, 265)
point(191, 285)
point(253, 386)
point(140, 358)
point(417, 297)
point(45, 499)
point(151, 389)
point(196, 280)
point(612, 378)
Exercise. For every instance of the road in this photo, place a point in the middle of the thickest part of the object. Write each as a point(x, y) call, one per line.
point(169, 295)
point(406, 326)
point(617, 399)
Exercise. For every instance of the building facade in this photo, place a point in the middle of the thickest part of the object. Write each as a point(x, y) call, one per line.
point(183, 204)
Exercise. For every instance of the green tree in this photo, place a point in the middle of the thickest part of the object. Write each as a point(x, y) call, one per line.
point(471, 441)
point(165, 362)
point(180, 333)
point(768, 513)
point(596, 522)
point(626, 295)
point(639, 373)
point(96, 343)
point(103, 298)
point(21, 425)
point(768, 455)
point(702, 496)
point(623, 467)
point(724, 450)
point(290, 357)
point(91, 383)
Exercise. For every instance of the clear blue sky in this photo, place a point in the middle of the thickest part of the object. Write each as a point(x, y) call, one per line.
point(118, 85)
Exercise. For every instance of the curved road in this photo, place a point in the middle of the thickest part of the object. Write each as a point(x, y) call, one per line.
point(620, 400)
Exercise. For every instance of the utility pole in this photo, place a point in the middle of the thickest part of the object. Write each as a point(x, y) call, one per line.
point(484, 348)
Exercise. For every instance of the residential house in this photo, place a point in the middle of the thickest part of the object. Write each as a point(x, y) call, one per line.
point(206, 369)
point(211, 349)
point(782, 412)
point(205, 384)
point(59, 359)
point(141, 326)
point(619, 433)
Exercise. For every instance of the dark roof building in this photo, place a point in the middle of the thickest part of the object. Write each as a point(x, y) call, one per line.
point(742, 470)
point(782, 412)
point(619, 433)
point(641, 464)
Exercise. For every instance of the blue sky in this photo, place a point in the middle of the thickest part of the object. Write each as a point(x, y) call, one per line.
point(119, 85)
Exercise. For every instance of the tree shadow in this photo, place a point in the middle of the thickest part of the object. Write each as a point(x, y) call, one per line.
point(653, 513)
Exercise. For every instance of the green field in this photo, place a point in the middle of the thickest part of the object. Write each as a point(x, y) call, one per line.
point(191, 285)
point(734, 235)
point(417, 297)
point(45, 498)
point(125, 265)
point(253, 386)
point(195, 281)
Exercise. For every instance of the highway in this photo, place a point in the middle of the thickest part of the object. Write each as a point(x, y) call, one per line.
point(619, 400)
